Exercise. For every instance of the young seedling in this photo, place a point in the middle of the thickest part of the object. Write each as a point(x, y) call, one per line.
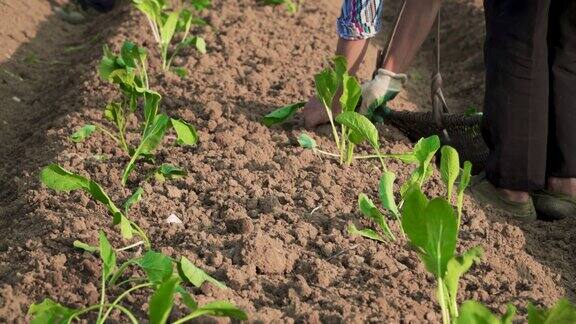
point(354, 128)
point(128, 71)
point(432, 229)
point(166, 22)
point(160, 278)
point(431, 226)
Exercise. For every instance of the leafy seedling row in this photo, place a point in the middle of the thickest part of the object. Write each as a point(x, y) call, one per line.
point(164, 278)
point(431, 226)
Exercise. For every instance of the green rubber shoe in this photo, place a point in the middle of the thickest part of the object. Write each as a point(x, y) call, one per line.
point(554, 206)
point(485, 193)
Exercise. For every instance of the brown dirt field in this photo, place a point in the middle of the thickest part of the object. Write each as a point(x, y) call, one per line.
point(248, 198)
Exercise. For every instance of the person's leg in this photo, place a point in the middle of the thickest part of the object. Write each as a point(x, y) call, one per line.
point(413, 28)
point(562, 142)
point(515, 124)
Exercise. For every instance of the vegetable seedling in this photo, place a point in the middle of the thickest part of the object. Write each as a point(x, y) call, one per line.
point(160, 278)
point(166, 22)
point(127, 70)
point(431, 226)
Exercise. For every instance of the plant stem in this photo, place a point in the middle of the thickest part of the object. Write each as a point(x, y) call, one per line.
point(143, 73)
point(87, 309)
point(334, 131)
point(155, 32)
point(130, 246)
point(188, 317)
point(141, 233)
point(120, 271)
point(343, 143)
point(102, 296)
point(131, 280)
point(442, 301)
point(123, 141)
point(326, 153)
point(117, 300)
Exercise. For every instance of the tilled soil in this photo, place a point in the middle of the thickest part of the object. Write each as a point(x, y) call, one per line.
point(264, 216)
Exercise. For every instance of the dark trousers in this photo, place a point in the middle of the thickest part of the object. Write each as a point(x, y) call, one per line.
point(530, 102)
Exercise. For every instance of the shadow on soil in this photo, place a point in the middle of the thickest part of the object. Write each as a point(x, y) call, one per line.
point(38, 86)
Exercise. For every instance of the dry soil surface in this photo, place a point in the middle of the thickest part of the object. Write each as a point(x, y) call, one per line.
point(259, 213)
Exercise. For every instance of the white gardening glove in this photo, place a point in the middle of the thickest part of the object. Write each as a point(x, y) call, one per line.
point(384, 87)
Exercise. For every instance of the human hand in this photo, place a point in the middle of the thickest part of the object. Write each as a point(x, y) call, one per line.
point(384, 87)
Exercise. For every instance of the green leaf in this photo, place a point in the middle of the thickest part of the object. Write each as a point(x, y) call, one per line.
point(221, 309)
point(180, 71)
point(195, 275)
point(49, 311)
point(369, 210)
point(168, 171)
point(162, 301)
point(449, 168)
point(367, 232)
point(386, 191)
point(126, 229)
point(340, 67)
point(151, 104)
point(361, 127)
point(168, 29)
point(98, 194)
point(458, 266)
point(424, 151)
point(57, 178)
point(464, 181)
point(157, 266)
point(114, 113)
point(200, 4)
point(107, 64)
point(441, 234)
point(86, 247)
point(187, 299)
point(186, 133)
point(282, 114)
point(562, 312)
point(107, 255)
point(150, 141)
point(473, 312)
point(131, 54)
point(151, 8)
point(198, 42)
point(425, 148)
point(83, 133)
point(133, 199)
point(413, 217)
point(326, 86)
point(351, 93)
point(184, 21)
point(306, 141)
point(465, 177)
